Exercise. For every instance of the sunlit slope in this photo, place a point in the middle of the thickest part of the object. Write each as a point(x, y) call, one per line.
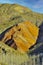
point(14, 13)
point(24, 34)
point(27, 35)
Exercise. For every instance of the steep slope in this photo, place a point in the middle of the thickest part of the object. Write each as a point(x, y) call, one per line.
point(23, 34)
point(14, 13)
point(10, 14)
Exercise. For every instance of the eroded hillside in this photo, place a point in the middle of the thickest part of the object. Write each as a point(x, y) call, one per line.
point(21, 36)
point(11, 14)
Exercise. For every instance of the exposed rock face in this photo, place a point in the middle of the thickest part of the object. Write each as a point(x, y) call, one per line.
point(21, 36)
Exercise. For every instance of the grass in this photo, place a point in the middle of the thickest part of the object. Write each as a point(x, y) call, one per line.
point(10, 15)
point(8, 11)
point(11, 57)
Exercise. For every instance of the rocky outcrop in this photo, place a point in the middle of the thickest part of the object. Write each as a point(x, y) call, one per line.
point(21, 36)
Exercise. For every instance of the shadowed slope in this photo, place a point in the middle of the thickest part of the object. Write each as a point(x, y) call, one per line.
point(38, 47)
point(40, 37)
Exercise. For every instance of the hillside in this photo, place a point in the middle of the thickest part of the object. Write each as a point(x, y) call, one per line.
point(11, 14)
point(11, 57)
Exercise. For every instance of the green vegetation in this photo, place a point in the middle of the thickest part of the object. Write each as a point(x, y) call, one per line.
point(11, 14)
point(11, 57)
